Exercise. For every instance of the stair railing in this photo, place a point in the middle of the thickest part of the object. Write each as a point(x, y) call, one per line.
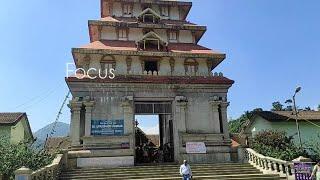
point(269, 165)
point(49, 172)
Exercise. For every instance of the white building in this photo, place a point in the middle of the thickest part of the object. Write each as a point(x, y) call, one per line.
point(159, 69)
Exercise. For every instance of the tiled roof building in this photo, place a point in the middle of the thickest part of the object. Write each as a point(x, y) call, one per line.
point(308, 121)
point(15, 127)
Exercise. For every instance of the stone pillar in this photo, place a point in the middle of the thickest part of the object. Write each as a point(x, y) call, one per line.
point(179, 124)
point(181, 107)
point(215, 116)
point(88, 106)
point(23, 173)
point(224, 120)
point(75, 122)
point(128, 116)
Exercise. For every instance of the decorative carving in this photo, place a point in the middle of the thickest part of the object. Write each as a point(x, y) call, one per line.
point(108, 59)
point(209, 64)
point(86, 61)
point(148, 53)
point(126, 101)
point(224, 105)
point(129, 62)
point(181, 99)
point(142, 64)
point(189, 64)
point(172, 61)
point(214, 98)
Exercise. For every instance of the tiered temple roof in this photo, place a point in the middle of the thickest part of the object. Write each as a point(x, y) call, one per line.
point(130, 47)
point(135, 31)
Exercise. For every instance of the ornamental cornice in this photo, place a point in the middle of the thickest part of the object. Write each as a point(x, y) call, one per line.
point(148, 53)
point(180, 3)
point(146, 25)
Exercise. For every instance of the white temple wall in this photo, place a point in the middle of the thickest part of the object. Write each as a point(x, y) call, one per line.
point(185, 36)
point(174, 13)
point(165, 68)
point(108, 33)
point(117, 9)
point(136, 68)
point(156, 8)
point(136, 65)
point(179, 69)
point(162, 33)
point(136, 10)
point(95, 62)
point(197, 118)
point(135, 34)
point(202, 67)
point(121, 65)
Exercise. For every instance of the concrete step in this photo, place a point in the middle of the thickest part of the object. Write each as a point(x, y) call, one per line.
point(152, 168)
point(132, 170)
point(160, 172)
point(227, 171)
point(150, 174)
point(195, 177)
point(175, 165)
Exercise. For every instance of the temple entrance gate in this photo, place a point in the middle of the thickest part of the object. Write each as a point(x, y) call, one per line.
point(145, 150)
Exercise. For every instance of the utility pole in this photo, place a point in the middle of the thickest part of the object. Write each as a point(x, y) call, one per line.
point(296, 115)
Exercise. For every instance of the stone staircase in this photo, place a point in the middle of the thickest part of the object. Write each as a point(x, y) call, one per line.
point(228, 171)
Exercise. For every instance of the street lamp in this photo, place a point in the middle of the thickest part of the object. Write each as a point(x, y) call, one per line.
point(298, 89)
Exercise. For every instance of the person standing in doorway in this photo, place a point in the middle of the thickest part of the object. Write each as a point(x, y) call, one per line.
point(316, 171)
point(185, 171)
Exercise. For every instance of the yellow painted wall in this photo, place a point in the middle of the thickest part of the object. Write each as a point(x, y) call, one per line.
point(17, 132)
point(308, 131)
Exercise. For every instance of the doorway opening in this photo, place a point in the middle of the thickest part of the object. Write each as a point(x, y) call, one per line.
point(153, 133)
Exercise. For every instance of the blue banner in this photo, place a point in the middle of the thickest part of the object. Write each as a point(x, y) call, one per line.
point(107, 127)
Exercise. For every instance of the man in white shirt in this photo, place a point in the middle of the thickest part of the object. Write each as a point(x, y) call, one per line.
point(185, 171)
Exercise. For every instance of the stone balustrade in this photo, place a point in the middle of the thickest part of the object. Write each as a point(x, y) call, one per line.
point(49, 172)
point(269, 165)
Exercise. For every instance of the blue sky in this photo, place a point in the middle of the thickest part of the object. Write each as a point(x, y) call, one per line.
point(272, 46)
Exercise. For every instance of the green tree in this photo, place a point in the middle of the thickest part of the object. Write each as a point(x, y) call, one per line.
point(14, 156)
point(276, 144)
point(277, 106)
point(314, 148)
point(236, 125)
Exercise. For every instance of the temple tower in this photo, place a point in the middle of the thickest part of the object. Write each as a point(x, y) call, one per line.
point(159, 69)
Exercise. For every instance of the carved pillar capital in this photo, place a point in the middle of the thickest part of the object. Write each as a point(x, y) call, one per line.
point(224, 105)
point(214, 104)
point(88, 104)
point(126, 101)
point(75, 105)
